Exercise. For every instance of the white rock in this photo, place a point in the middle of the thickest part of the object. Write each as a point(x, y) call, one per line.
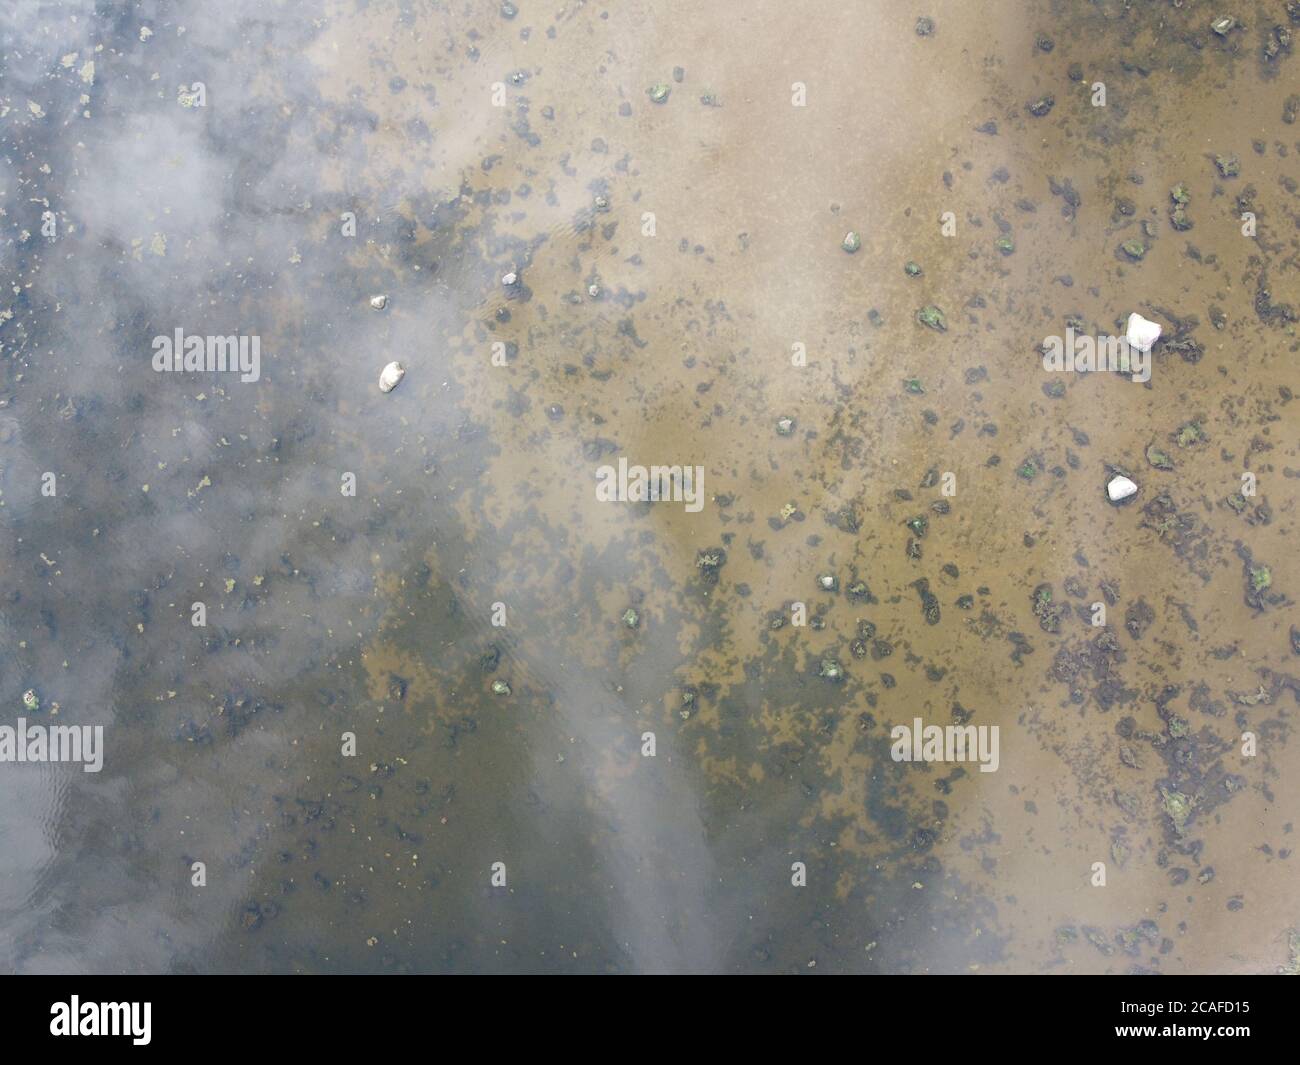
point(1120, 488)
point(379, 302)
point(1141, 333)
point(391, 377)
point(510, 279)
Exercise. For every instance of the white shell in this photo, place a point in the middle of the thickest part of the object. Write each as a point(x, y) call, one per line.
point(1141, 333)
point(379, 302)
point(1120, 488)
point(391, 377)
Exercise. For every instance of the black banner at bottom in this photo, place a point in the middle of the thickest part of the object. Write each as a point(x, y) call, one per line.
point(342, 1013)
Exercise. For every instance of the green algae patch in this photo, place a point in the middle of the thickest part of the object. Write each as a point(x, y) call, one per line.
point(932, 317)
point(1292, 967)
point(1177, 806)
point(1158, 458)
point(1261, 577)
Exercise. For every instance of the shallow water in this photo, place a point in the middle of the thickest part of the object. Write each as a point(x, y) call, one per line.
point(372, 614)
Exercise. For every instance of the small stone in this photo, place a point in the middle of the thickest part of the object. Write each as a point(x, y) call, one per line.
point(510, 280)
point(828, 582)
point(391, 376)
point(1140, 333)
point(852, 242)
point(1278, 42)
point(379, 302)
point(1224, 26)
point(1119, 488)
